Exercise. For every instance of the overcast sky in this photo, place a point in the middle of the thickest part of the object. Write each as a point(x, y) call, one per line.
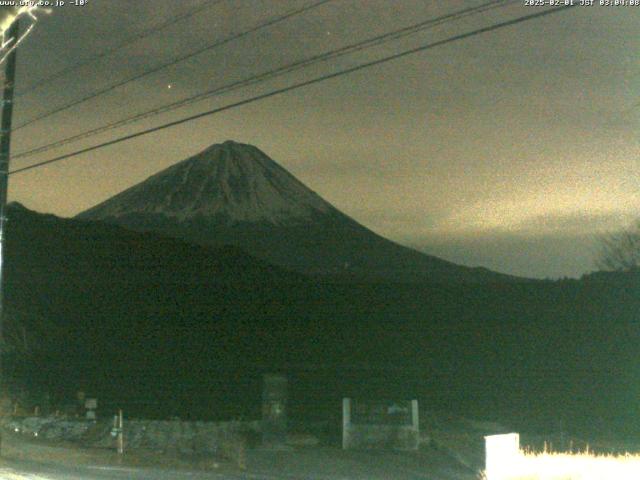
point(514, 149)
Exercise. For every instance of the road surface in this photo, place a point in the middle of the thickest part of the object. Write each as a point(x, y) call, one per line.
point(263, 466)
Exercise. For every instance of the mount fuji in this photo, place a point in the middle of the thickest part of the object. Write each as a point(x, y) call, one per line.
point(234, 194)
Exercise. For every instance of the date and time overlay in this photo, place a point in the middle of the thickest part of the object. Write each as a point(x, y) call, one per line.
point(581, 3)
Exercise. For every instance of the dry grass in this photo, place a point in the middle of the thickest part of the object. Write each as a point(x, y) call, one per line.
point(570, 466)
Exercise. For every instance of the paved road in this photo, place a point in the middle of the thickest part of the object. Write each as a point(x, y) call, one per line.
point(367, 467)
point(23, 470)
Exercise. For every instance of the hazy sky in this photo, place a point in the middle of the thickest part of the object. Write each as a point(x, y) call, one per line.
point(514, 149)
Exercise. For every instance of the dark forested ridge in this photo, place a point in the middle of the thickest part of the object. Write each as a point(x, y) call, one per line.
point(142, 320)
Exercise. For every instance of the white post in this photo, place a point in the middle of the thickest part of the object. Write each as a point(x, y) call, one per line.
point(346, 422)
point(415, 419)
point(120, 432)
point(415, 422)
point(502, 454)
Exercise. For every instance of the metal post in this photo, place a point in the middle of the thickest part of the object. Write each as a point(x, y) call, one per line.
point(346, 423)
point(120, 432)
point(415, 422)
point(5, 151)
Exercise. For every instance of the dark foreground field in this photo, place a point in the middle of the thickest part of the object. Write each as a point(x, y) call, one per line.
point(161, 328)
point(33, 460)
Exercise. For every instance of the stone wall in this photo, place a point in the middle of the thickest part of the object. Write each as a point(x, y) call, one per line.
point(221, 438)
point(48, 428)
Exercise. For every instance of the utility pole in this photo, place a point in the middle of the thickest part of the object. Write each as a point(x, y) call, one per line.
point(5, 151)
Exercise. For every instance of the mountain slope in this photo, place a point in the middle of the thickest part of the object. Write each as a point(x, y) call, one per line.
point(234, 194)
point(93, 278)
point(92, 305)
point(230, 182)
point(68, 279)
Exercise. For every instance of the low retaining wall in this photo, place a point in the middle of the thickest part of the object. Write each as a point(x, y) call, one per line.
point(165, 436)
point(48, 428)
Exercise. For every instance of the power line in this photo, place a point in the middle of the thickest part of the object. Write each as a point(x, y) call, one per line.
point(125, 43)
point(300, 85)
point(173, 62)
point(355, 47)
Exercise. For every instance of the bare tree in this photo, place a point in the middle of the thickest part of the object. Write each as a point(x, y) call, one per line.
point(621, 251)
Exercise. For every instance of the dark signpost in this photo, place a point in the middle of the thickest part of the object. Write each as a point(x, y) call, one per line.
point(381, 413)
point(380, 424)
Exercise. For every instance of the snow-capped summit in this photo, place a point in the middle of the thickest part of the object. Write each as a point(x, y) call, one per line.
point(234, 194)
point(231, 181)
